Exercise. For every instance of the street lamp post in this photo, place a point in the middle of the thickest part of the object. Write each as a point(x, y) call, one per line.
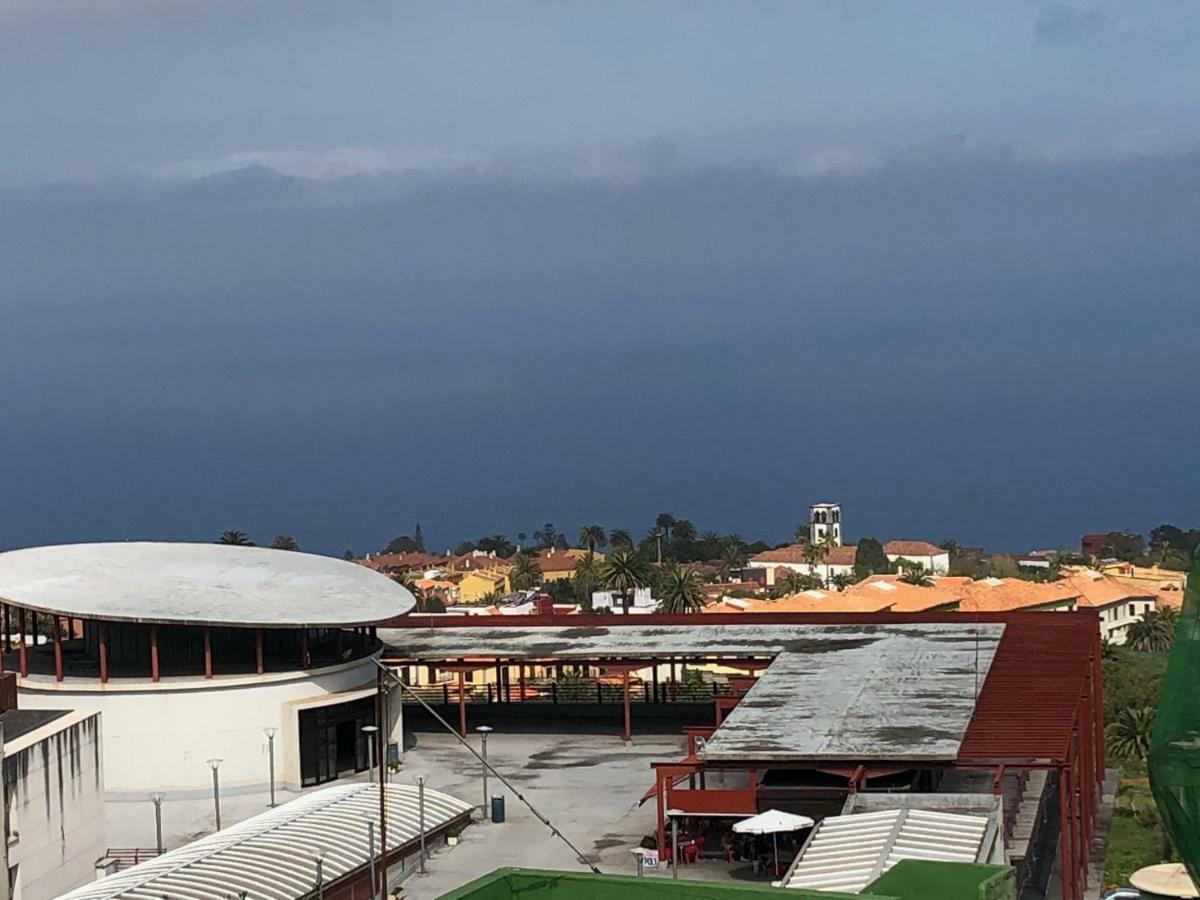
point(158, 799)
point(484, 731)
point(215, 763)
point(270, 733)
point(421, 817)
point(370, 731)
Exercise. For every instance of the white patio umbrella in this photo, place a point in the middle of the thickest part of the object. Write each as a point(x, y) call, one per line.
point(772, 822)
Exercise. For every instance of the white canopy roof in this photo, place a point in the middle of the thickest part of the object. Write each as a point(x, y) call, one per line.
point(199, 584)
point(773, 821)
point(272, 856)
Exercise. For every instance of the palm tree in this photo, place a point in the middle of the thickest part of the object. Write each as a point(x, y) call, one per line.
point(623, 571)
point(952, 547)
point(525, 573)
point(814, 554)
point(683, 530)
point(521, 536)
point(284, 542)
point(592, 536)
point(236, 538)
point(587, 576)
point(794, 582)
point(409, 580)
point(620, 537)
point(802, 533)
point(1152, 633)
point(664, 522)
point(710, 544)
point(914, 573)
point(733, 558)
point(1129, 736)
point(682, 590)
point(841, 581)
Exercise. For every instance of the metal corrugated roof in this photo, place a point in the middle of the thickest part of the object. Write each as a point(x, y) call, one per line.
point(847, 853)
point(272, 856)
point(898, 691)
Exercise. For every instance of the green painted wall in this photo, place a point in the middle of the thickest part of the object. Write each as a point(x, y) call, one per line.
point(536, 884)
point(914, 879)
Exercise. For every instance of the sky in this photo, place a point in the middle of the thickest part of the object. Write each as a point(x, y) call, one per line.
point(330, 270)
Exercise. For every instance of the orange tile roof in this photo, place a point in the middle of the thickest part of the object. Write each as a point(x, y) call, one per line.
point(1095, 589)
point(814, 601)
point(557, 561)
point(480, 563)
point(1004, 594)
point(390, 562)
point(794, 553)
point(903, 597)
point(912, 548)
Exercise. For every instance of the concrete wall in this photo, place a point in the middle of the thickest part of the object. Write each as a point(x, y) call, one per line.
point(159, 736)
point(1116, 618)
point(56, 805)
point(938, 564)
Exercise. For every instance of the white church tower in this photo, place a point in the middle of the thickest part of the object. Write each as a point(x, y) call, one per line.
point(825, 519)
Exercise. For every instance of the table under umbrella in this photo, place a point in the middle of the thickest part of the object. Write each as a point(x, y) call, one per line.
point(772, 822)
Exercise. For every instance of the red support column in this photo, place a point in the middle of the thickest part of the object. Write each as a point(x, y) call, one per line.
point(1071, 861)
point(102, 637)
point(628, 735)
point(340, 646)
point(462, 703)
point(58, 668)
point(661, 801)
point(258, 650)
point(207, 652)
point(674, 683)
point(1064, 830)
point(22, 658)
point(521, 693)
point(7, 628)
point(500, 698)
point(33, 629)
point(154, 653)
point(1097, 723)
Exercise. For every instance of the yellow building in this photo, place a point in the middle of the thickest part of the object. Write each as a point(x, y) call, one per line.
point(477, 584)
point(557, 565)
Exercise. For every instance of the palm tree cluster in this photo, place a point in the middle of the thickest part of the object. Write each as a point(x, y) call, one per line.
point(235, 538)
point(526, 573)
point(680, 588)
point(1129, 736)
point(1152, 633)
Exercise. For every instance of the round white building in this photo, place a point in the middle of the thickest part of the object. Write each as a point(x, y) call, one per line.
point(198, 652)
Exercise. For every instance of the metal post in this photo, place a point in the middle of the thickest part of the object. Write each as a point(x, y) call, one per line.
point(158, 841)
point(215, 764)
point(421, 817)
point(484, 731)
point(371, 854)
point(370, 732)
point(270, 733)
point(320, 877)
point(674, 847)
point(6, 889)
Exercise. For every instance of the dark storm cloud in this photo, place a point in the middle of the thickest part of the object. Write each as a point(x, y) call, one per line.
point(957, 343)
point(1060, 23)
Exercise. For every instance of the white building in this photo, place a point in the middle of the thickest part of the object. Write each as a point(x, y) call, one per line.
point(834, 561)
point(614, 602)
point(54, 787)
point(932, 557)
point(825, 519)
point(197, 652)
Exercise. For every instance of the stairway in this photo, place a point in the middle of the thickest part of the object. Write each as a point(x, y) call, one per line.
point(1026, 816)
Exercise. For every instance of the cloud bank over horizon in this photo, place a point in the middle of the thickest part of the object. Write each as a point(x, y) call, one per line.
point(967, 345)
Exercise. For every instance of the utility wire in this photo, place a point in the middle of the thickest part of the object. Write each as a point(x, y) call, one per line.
point(554, 832)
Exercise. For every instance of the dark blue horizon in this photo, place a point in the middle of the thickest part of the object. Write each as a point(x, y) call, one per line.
point(987, 350)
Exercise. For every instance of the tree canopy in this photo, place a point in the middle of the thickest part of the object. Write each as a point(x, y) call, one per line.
point(236, 538)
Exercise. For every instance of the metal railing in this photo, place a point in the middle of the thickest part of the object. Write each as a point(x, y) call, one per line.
point(589, 691)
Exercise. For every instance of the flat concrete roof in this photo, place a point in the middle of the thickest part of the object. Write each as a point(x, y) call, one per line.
point(198, 584)
point(514, 641)
point(881, 692)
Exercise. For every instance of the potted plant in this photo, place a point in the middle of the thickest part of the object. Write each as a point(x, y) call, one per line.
point(452, 837)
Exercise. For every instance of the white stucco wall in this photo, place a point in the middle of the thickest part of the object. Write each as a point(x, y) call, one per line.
point(938, 564)
point(57, 805)
point(1116, 618)
point(158, 736)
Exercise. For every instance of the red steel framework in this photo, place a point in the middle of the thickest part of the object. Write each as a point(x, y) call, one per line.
point(1040, 706)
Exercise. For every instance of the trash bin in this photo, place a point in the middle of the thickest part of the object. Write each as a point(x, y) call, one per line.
point(497, 807)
